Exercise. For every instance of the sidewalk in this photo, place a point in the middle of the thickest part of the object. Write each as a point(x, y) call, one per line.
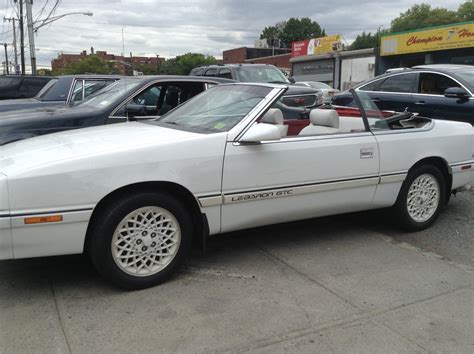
point(308, 286)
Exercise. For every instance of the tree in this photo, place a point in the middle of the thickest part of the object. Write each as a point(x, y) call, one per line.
point(364, 40)
point(422, 16)
point(183, 64)
point(293, 30)
point(89, 64)
point(466, 12)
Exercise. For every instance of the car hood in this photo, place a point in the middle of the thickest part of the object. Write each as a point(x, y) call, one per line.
point(26, 103)
point(300, 90)
point(43, 111)
point(53, 148)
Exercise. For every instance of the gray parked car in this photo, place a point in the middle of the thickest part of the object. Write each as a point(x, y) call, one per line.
point(61, 90)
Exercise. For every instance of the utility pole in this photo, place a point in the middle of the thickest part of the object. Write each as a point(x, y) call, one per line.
point(12, 19)
point(31, 37)
point(6, 58)
point(22, 39)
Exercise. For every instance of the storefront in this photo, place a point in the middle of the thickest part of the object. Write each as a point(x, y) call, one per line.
point(339, 69)
point(452, 44)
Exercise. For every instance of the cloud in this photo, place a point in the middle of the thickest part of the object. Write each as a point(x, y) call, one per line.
point(171, 28)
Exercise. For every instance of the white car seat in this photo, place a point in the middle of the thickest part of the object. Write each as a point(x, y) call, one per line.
point(322, 121)
point(274, 116)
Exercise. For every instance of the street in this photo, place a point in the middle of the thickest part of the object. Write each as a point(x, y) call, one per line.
point(343, 283)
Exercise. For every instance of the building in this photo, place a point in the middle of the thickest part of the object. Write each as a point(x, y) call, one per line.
point(339, 69)
point(124, 65)
point(450, 44)
point(241, 55)
point(281, 61)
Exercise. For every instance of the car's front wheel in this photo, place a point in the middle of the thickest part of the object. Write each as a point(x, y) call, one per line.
point(140, 240)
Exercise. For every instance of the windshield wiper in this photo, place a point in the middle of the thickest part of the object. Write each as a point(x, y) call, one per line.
point(278, 82)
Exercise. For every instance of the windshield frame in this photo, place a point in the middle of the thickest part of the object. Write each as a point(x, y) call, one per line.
point(269, 95)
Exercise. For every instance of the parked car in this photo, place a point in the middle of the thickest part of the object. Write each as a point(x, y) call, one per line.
point(295, 97)
point(136, 195)
point(21, 86)
point(327, 91)
point(141, 97)
point(61, 90)
point(435, 91)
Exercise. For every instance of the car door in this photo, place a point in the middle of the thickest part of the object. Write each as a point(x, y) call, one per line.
point(298, 177)
point(429, 100)
point(395, 92)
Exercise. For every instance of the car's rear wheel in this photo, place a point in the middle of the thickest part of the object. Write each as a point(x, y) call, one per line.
point(141, 240)
point(421, 198)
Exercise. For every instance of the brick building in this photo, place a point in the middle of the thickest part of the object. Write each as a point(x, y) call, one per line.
point(281, 61)
point(123, 64)
point(240, 55)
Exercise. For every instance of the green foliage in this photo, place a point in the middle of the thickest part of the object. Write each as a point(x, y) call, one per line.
point(270, 32)
point(146, 69)
point(90, 64)
point(293, 30)
point(182, 64)
point(422, 16)
point(466, 11)
point(364, 40)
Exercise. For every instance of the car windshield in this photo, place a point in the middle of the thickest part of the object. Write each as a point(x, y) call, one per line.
point(109, 95)
point(216, 110)
point(268, 74)
point(468, 77)
point(46, 88)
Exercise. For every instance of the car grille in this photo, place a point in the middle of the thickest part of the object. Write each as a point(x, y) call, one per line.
point(300, 100)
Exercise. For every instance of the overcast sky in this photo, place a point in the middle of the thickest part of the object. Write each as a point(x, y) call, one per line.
point(171, 28)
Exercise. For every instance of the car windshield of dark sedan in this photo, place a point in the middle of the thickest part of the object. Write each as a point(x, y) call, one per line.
point(42, 95)
point(109, 95)
point(217, 109)
point(267, 74)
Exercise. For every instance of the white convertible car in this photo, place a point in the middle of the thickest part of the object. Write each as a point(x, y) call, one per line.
point(135, 195)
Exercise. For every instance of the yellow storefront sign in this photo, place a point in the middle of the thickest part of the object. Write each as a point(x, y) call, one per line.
point(447, 37)
point(325, 44)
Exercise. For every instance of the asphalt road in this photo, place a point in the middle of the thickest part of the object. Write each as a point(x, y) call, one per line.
point(452, 236)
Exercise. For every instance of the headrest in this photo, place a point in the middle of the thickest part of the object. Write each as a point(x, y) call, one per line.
point(273, 116)
point(324, 117)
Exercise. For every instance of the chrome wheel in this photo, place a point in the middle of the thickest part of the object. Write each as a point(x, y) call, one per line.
point(423, 198)
point(146, 241)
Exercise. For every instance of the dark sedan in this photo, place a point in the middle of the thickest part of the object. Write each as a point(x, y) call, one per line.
point(61, 90)
point(434, 91)
point(131, 98)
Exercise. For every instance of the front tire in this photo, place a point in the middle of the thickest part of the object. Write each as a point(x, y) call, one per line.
point(141, 240)
point(420, 199)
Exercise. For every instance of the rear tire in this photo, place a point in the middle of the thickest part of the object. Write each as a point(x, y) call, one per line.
point(141, 240)
point(420, 199)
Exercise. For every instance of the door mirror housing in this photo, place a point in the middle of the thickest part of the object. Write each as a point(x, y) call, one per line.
point(291, 79)
point(135, 110)
point(456, 92)
point(260, 132)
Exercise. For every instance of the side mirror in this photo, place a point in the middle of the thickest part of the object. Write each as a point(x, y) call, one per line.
point(261, 132)
point(291, 79)
point(134, 110)
point(456, 92)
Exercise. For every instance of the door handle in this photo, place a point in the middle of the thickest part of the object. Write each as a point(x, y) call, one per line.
point(376, 100)
point(420, 103)
point(367, 153)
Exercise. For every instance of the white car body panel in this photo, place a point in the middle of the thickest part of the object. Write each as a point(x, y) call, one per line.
point(236, 185)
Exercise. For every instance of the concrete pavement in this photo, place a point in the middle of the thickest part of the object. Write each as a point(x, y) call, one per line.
point(322, 285)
